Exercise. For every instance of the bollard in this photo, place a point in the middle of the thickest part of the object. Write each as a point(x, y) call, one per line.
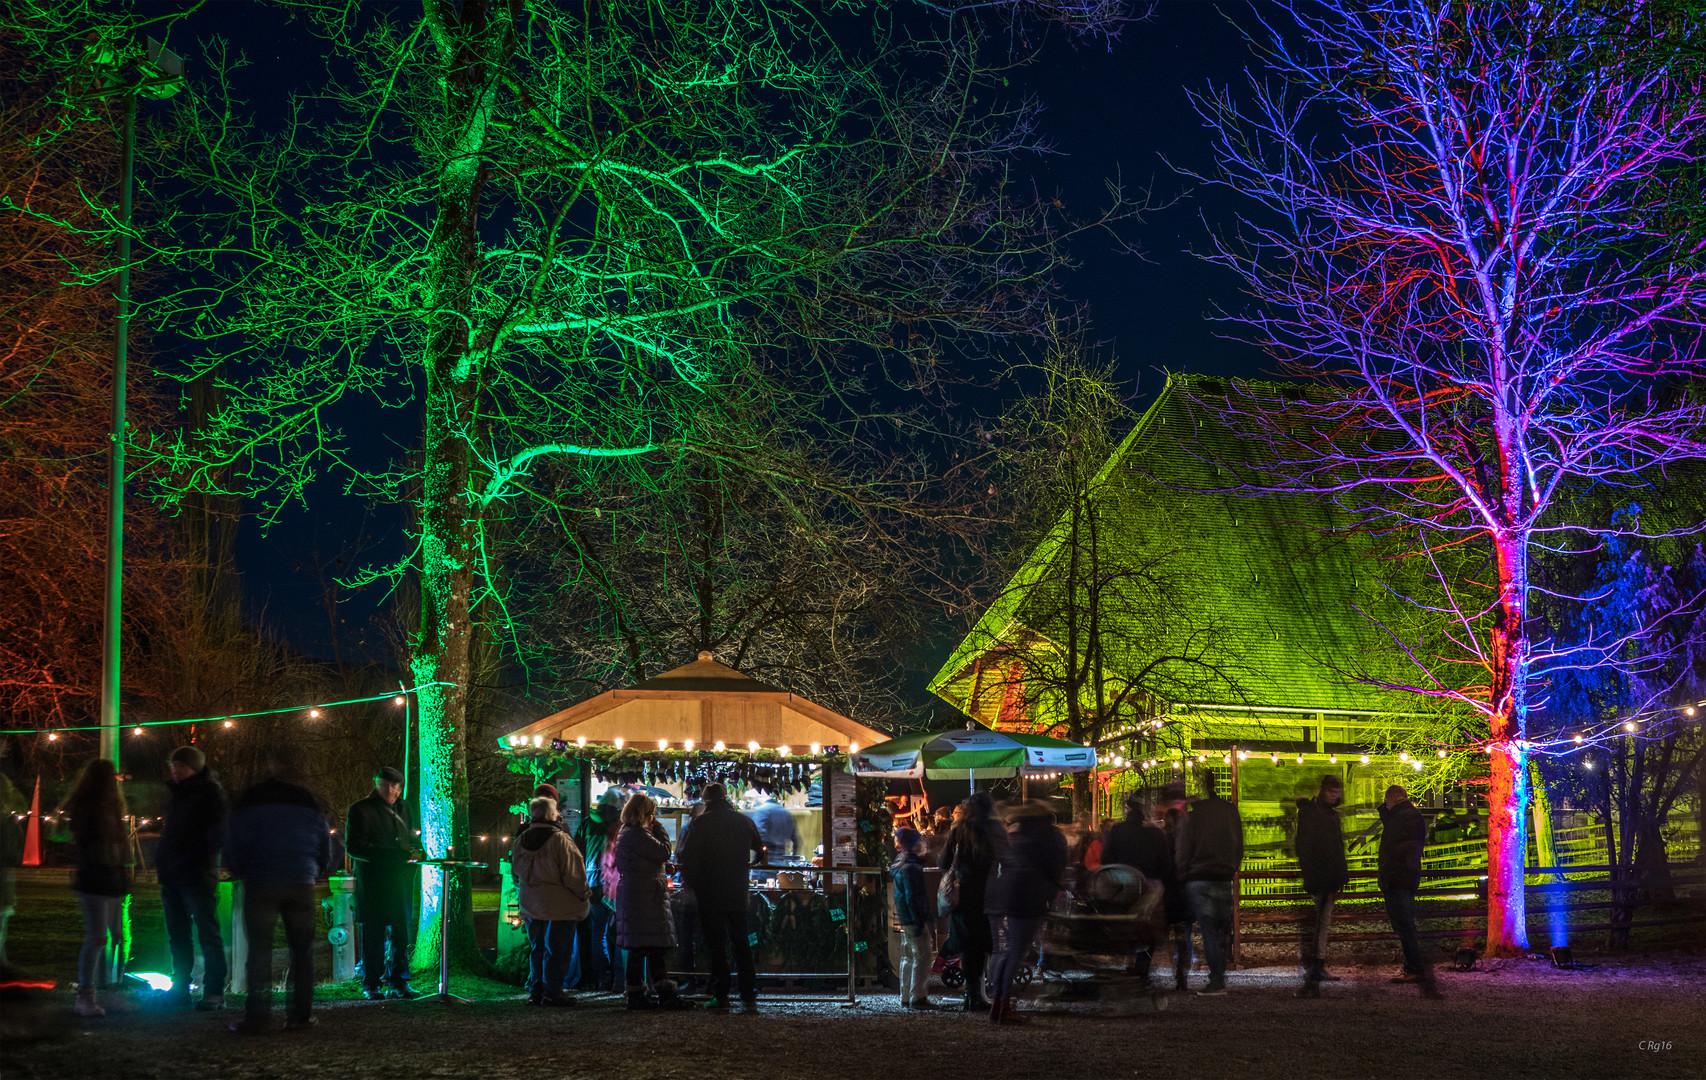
point(239, 942)
point(341, 929)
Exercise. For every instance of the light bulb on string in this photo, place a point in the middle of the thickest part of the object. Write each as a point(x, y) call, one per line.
point(313, 714)
point(52, 736)
point(1630, 726)
point(719, 747)
point(817, 749)
point(1332, 759)
point(617, 742)
point(136, 731)
point(1403, 755)
point(1442, 753)
point(1300, 759)
point(1365, 759)
point(752, 746)
point(783, 751)
point(663, 744)
point(399, 700)
point(852, 748)
point(1578, 740)
point(580, 741)
point(229, 724)
point(687, 745)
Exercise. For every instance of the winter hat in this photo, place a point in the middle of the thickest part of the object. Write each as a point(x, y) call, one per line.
point(189, 755)
point(906, 838)
point(542, 809)
point(547, 791)
point(714, 793)
point(388, 774)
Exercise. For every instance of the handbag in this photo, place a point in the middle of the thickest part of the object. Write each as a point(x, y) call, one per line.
point(948, 892)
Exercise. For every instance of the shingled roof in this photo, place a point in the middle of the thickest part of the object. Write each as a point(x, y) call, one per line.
point(1281, 576)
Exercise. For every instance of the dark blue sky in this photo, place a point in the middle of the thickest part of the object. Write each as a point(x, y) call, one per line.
point(1110, 112)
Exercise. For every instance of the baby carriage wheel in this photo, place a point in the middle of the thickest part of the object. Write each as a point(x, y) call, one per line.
point(953, 976)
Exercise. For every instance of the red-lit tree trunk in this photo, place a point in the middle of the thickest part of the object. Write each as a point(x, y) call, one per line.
point(1507, 790)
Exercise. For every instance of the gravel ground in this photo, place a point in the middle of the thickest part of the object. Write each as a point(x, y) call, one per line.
point(1516, 1019)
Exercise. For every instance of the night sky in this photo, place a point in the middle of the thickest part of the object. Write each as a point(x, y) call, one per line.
point(1109, 111)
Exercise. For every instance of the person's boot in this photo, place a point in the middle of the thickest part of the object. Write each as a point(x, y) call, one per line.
point(87, 1005)
point(669, 996)
point(1010, 1014)
point(639, 1000)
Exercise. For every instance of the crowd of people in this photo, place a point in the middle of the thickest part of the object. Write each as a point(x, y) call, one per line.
point(597, 902)
point(276, 838)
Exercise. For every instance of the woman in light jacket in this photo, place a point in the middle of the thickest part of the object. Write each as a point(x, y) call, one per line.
point(643, 923)
point(550, 878)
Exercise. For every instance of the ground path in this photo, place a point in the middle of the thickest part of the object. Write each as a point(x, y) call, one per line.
point(1520, 1019)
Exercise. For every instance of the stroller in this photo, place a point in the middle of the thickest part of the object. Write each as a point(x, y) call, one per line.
point(1088, 943)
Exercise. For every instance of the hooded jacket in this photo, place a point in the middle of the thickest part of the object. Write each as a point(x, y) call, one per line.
point(550, 878)
point(1136, 843)
point(912, 908)
point(1320, 847)
point(1403, 832)
point(194, 831)
point(1210, 845)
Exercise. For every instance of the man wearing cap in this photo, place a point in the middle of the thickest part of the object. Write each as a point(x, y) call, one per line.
point(187, 861)
point(1321, 857)
point(381, 842)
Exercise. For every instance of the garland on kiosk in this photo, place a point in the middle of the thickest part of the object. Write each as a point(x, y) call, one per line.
point(768, 771)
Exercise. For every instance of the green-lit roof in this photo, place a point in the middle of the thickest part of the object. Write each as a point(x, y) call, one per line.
point(1273, 573)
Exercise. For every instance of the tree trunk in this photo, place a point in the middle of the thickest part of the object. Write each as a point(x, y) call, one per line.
point(468, 51)
point(1507, 794)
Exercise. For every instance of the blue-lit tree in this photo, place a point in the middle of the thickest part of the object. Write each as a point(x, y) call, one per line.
point(1470, 234)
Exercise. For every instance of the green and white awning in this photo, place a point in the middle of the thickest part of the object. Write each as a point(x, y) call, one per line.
point(961, 753)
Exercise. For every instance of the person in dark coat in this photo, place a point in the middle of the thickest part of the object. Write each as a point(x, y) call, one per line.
point(715, 856)
point(280, 845)
point(1141, 844)
point(914, 911)
point(1321, 857)
point(969, 856)
point(381, 843)
point(644, 925)
point(187, 863)
point(1207, 856)
point(1028, 877)
point(1403, 832)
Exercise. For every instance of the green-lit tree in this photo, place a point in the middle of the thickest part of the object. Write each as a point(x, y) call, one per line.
point(548, 234)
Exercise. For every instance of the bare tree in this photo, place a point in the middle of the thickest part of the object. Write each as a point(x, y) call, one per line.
point(1468, 234)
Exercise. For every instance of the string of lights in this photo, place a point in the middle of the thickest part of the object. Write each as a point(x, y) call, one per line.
point(313, 710)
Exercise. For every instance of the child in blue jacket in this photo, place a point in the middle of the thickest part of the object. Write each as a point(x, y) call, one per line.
point(912, 906)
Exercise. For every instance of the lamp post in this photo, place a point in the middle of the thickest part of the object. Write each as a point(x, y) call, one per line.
point(158, 74)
